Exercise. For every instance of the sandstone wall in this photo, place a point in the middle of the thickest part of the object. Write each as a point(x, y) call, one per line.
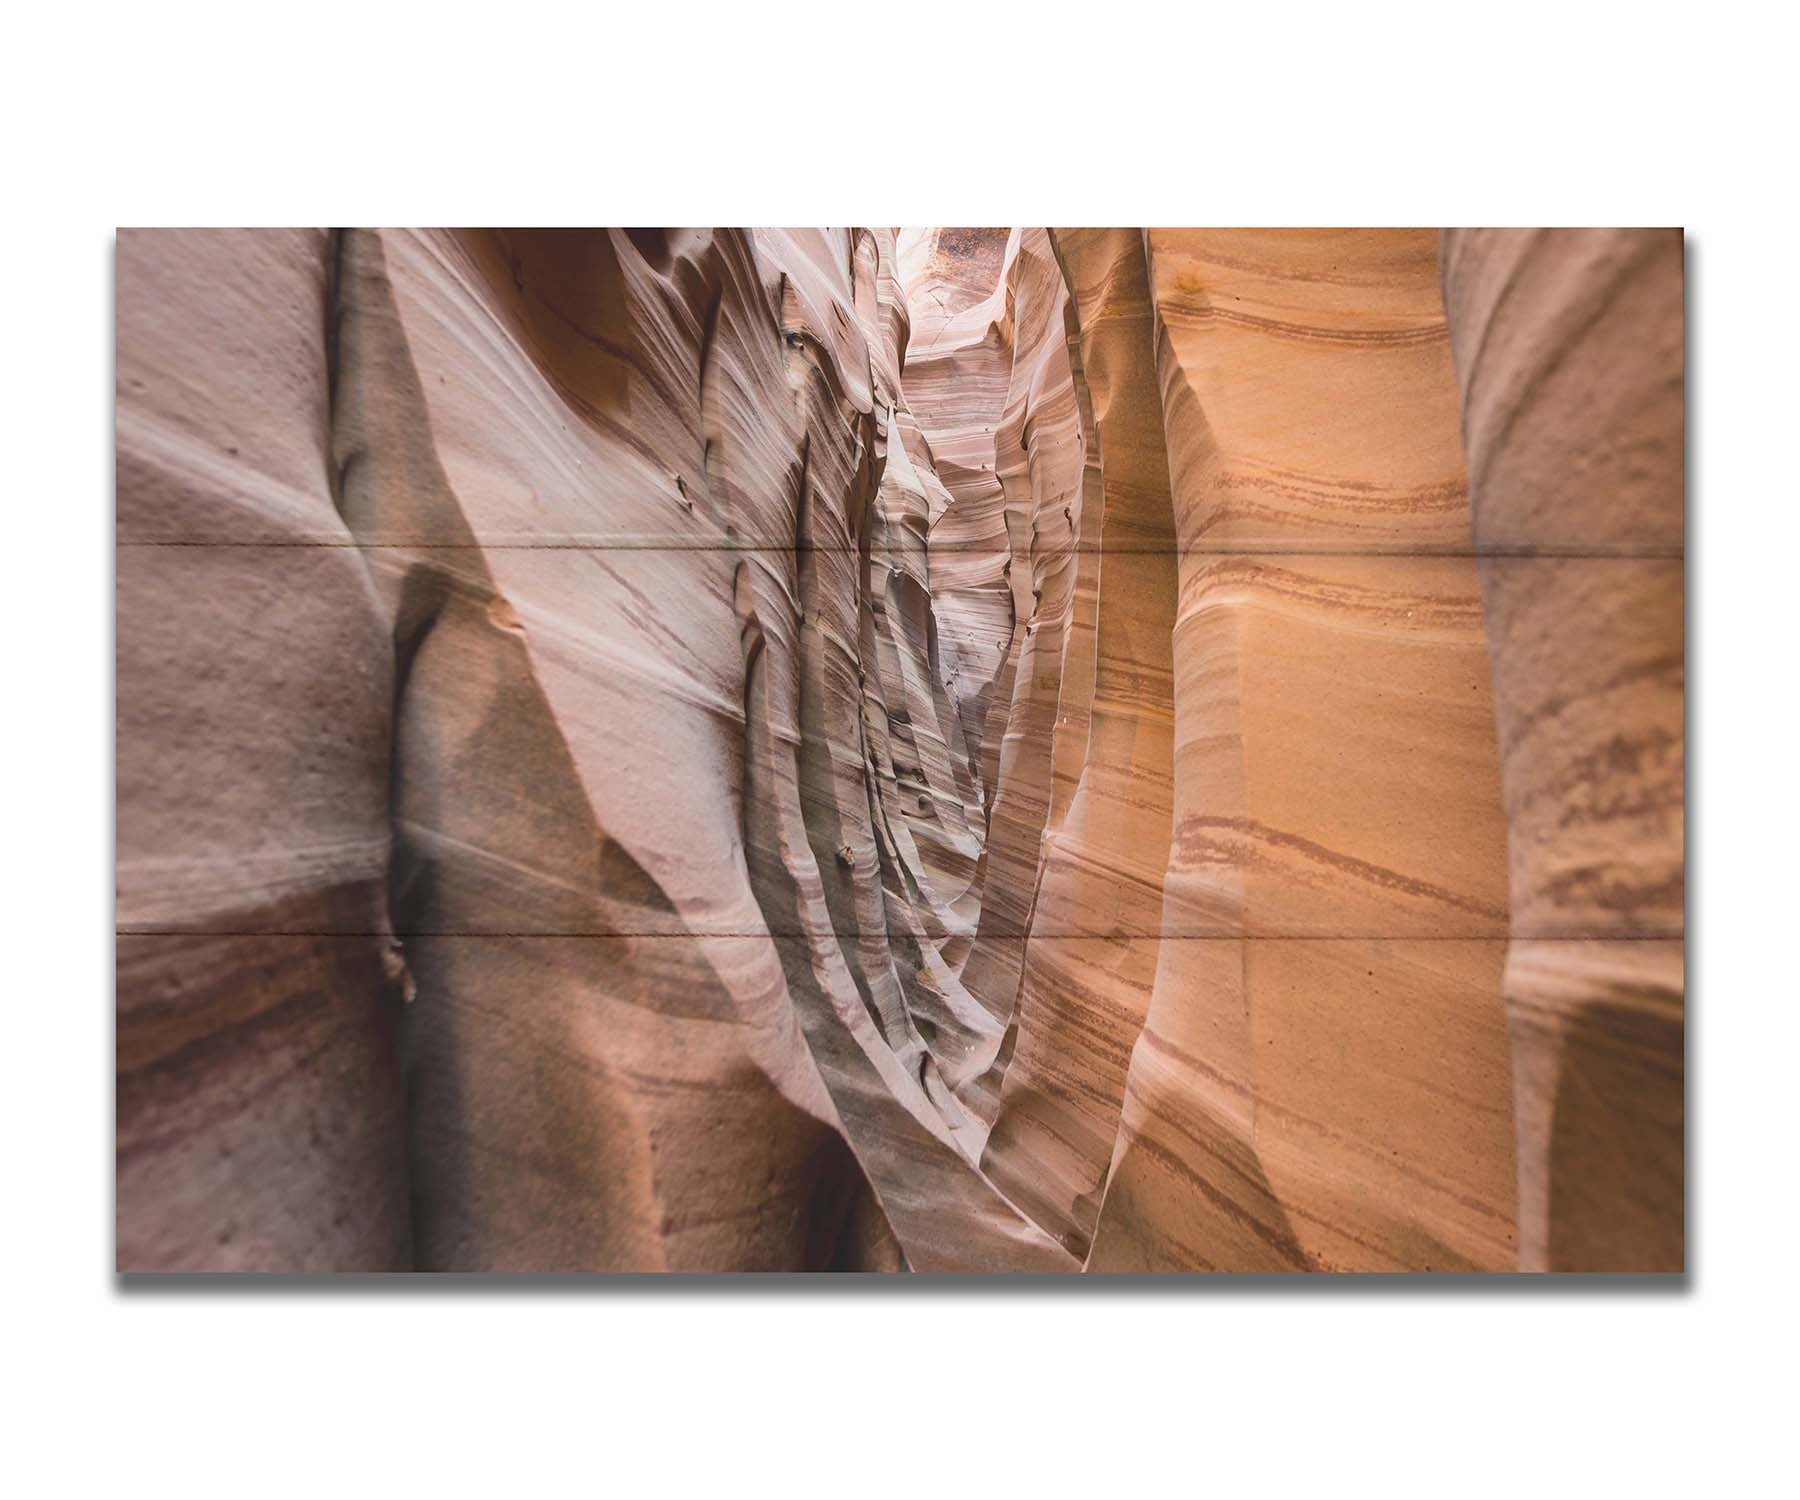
point(1569, 353)
point(556, 654)
point(259, 1097)
point(1322, 1080)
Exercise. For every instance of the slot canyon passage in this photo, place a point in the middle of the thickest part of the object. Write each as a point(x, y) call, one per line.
point(950, 750)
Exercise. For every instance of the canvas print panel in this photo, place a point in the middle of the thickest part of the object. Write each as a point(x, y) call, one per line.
point(939, 750)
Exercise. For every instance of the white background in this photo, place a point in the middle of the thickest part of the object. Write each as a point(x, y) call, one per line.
point(1103, 111)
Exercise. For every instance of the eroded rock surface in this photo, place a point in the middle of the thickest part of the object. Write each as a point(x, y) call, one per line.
point(961, 750)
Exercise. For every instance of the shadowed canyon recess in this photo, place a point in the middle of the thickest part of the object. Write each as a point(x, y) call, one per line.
point(950, 750)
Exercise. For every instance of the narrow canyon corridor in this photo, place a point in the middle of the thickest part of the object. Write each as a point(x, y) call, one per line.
point(944, 750)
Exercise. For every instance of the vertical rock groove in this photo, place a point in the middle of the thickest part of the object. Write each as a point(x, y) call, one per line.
point(1095, 932)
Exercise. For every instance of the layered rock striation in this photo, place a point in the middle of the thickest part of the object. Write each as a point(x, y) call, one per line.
point(960, 750)
point(1322, 1080)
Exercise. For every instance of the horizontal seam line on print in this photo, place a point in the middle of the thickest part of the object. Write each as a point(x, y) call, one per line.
point(1275, 549)
point(1017, 937)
